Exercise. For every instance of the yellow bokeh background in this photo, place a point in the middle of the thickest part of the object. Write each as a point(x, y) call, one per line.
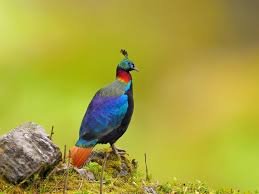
point(196, 95)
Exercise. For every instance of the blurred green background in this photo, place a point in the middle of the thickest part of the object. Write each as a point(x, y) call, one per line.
point(196, 95)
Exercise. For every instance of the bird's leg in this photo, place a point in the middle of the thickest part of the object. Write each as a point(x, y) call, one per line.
point(115, 151)
point(118, 152)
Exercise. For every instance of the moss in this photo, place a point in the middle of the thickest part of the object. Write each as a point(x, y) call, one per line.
point(120, 176)
point(95, 168)
point(165, 188)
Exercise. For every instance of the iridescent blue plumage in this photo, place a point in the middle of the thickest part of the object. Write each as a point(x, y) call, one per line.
point(104, 114)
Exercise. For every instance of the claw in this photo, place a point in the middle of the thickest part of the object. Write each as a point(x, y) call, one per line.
point(118, 152)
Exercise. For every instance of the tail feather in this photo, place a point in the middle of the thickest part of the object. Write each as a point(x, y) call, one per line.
point(79, 155)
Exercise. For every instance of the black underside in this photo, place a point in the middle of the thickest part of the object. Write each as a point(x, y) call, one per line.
point(113, 136)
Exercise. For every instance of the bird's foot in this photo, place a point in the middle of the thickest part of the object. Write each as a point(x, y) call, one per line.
point(121, 151)
point(118, 152)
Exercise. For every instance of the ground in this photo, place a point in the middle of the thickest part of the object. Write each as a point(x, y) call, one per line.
point(119, 176)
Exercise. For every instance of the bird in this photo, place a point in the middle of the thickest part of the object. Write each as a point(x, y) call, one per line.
point(108, 115)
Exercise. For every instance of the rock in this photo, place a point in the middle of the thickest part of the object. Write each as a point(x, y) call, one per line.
point(149, 189)
point(124, 170)
point(62, 168)
point(27, 150)
point(88, 175)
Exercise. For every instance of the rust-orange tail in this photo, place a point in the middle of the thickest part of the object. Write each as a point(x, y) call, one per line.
point(79, 155)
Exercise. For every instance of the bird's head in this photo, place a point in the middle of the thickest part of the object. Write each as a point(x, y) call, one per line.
point(126, 64)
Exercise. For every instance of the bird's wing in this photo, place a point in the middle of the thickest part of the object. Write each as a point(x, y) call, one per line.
point(104, 114)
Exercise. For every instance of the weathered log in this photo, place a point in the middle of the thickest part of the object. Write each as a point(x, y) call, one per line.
point(27, 150)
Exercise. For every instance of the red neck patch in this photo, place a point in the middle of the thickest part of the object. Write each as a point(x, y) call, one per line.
point(123, 76)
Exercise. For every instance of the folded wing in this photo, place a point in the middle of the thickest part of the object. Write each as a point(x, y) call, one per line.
point(104, 114)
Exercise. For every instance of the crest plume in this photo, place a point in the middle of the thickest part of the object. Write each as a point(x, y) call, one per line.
point(124, 52)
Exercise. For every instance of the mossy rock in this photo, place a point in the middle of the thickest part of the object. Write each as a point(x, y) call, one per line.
point(122, 167)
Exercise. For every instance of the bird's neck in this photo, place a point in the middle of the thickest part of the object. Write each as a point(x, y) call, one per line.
point(123, 76)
